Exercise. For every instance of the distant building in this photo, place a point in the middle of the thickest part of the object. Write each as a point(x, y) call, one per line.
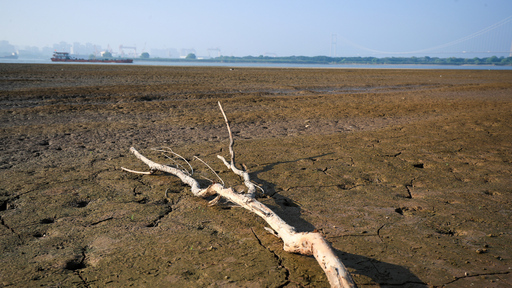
point(164, 53)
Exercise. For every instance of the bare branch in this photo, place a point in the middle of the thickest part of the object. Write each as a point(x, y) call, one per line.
point(137, 172)
point(194, 185)
point(231, 142)
point(311, 243)
point(222, 181)
point(242, 173)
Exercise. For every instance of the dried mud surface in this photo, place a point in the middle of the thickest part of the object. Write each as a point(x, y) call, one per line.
point(408, 173)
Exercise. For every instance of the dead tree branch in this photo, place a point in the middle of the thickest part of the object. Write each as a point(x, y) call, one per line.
point(306, 243)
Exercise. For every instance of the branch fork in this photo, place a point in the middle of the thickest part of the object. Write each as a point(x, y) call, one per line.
point(306, 243)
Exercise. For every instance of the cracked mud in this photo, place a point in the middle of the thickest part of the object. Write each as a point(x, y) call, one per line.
point(408, 173)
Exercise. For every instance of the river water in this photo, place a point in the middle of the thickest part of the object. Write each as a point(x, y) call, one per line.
point(273, 65)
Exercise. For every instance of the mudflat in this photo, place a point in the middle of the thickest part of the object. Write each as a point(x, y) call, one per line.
point(407, 173)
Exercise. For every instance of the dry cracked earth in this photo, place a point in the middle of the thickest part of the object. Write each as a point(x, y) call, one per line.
point(407, 173)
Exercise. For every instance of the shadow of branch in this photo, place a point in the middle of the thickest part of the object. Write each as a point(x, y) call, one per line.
point(365, 270)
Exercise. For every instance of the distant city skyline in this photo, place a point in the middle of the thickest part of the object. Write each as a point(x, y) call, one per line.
point(401, 28)
point(86, 49)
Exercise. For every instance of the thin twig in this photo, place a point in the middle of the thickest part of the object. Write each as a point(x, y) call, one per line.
point(137, 172)
point(258, 186)
point(210, 169)
point(169, 150)
point(231, 141)
point(177, 165)
point(215, 201)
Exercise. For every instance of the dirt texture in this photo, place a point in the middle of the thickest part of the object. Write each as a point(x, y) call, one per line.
point(407, 173)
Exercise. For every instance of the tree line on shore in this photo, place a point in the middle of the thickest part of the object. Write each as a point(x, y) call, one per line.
point(493, 60)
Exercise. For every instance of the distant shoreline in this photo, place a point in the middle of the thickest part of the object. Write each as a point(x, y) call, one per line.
point(325, 60)
point(276, 65)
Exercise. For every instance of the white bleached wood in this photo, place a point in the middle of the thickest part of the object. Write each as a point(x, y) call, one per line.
point(251, 188)
point(306, 243)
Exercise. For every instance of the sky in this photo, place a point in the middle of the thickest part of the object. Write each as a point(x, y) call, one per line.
point(282, 28)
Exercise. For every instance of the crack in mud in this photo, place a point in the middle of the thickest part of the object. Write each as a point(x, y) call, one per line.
point(77, 263)
point(378, 232)
point(156, 222)
point(409, 190)
point(59, 162)
point(383, 284)
point(278, 260)
point(392, 155)
point(84, 281)
point(348, 187)
point(361, 234)
point(476, 275)
point(2, 222)
point(101, 221)
point(170, 207)
point(82, 265)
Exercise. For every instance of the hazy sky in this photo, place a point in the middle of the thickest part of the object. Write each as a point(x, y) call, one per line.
point(241, 28)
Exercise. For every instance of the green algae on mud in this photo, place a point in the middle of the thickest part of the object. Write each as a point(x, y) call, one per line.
point(406, 173)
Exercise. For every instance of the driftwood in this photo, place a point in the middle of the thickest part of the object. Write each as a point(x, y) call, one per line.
point(306, 243)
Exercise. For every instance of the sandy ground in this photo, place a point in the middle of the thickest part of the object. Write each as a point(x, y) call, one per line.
point(408, 173)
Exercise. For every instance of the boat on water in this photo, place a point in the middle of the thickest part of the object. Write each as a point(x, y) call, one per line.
point(65, 57)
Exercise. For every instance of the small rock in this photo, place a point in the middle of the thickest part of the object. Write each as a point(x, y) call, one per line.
point(481, 250)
